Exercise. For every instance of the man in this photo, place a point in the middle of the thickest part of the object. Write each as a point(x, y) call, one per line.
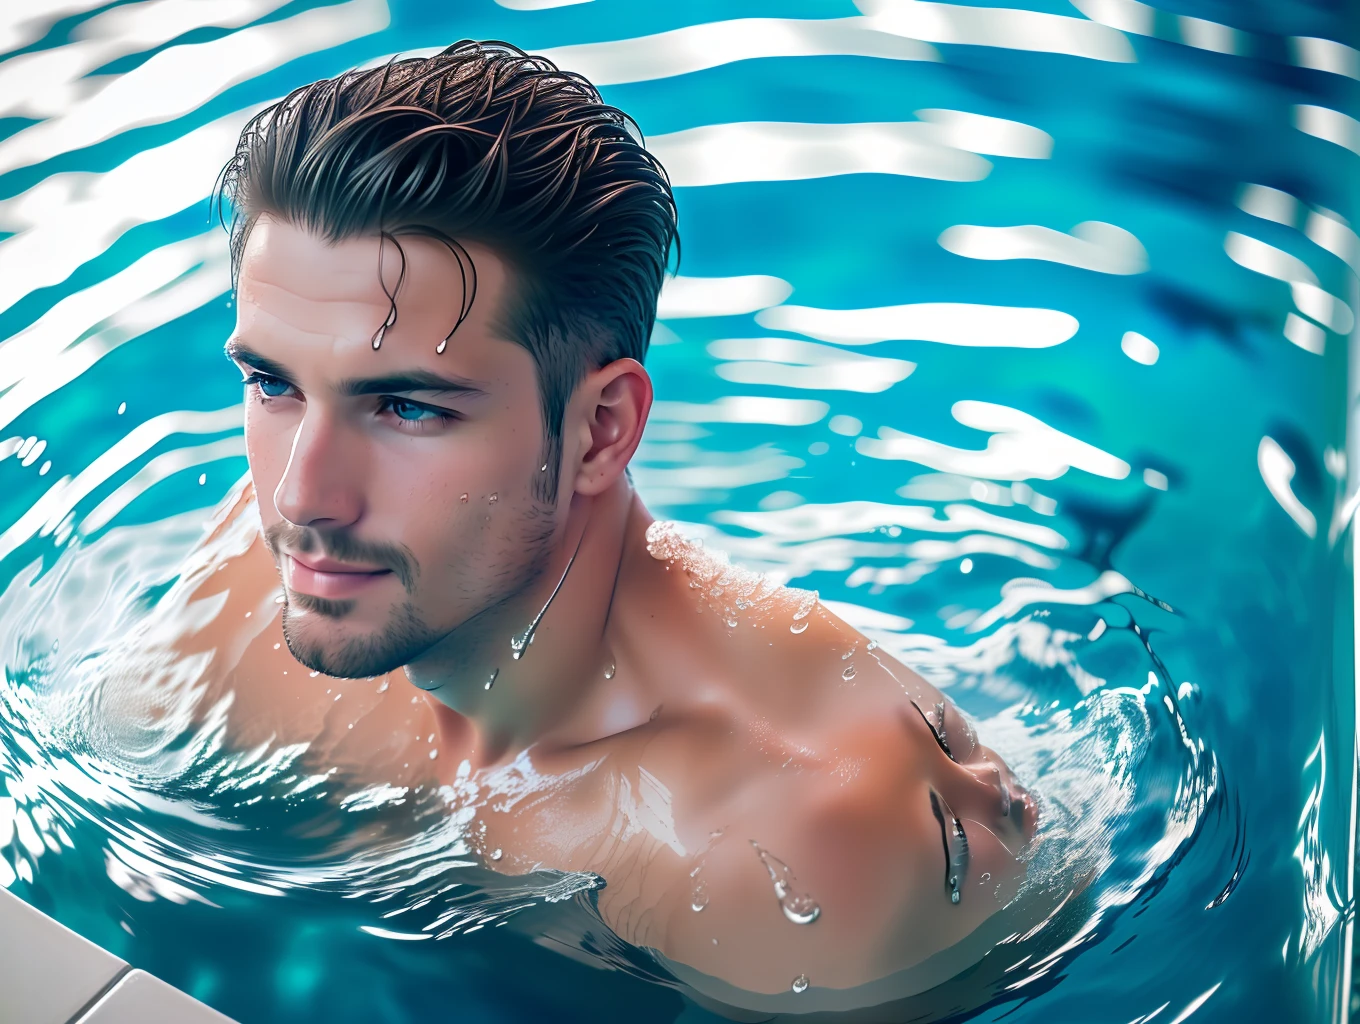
point(447, 276)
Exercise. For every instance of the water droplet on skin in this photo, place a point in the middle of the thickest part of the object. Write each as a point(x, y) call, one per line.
point(699, 900)
point(337, 697)
point(519, 644)
point(798, 627)
point(715, 942)
point(463, 498)
point(492, 680)
point(800, 984)
point(801, 909)
point(798, 907)
point(873, 645)
point(277, 646)
point(986, 877)
point(434, 754)
point(849, 673)
point(382, 687)
point(956, 845)
point(429, 738)
point(543, 468)
point(496, 853)
point(493, 499)
point(731, 623)
point(609, 672)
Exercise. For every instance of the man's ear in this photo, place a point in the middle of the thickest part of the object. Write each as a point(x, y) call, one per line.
point(610, 407)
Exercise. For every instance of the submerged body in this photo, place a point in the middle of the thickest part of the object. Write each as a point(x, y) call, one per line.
point(764, 791)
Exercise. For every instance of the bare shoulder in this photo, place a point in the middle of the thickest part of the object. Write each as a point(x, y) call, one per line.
point(813, 870)
point(833, 862)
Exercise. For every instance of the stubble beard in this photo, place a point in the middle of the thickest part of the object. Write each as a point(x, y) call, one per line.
point(407, 635)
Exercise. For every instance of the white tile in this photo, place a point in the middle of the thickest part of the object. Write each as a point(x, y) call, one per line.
point(141, 998)
point(47, 971)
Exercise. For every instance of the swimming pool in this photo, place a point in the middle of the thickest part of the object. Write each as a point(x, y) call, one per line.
point(1097, 492)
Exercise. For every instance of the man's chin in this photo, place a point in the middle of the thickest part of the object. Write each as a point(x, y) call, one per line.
point(350, 650)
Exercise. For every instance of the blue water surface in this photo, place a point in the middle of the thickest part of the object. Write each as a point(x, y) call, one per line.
point(1121, 545)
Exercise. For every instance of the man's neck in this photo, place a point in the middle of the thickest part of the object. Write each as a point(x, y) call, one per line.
point(545, 651)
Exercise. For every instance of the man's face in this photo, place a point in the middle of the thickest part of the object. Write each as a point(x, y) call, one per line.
point(396, 486)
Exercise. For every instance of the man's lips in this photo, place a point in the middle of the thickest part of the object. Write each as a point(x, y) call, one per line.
point(325, 577)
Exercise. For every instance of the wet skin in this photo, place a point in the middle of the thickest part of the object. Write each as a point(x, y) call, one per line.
point(652, 733)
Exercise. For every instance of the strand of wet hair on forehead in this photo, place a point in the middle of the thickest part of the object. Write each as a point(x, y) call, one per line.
point(467, 273)
point(383, 239)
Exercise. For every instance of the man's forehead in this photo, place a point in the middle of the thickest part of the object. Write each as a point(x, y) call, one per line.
point(296, 286)
point(283, 255)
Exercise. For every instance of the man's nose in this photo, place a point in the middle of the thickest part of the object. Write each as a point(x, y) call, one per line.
point(321, 485)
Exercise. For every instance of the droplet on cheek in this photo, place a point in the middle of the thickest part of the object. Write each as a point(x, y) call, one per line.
point(493, 499)
point(464, 499)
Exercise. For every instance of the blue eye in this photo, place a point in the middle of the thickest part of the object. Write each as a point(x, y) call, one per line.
point(270, 387)
point(273, 388)
point(409, 411)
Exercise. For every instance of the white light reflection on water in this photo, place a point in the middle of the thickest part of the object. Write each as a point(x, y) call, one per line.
point(1092, 245)
point(721, 154)
point(1323, 903)
point(790, 363)
point(1018, 594)
point(711, 44)
point(1277, 470)
point(1329, 125)
point(683, 297)
point(181, 79)
point(71, 217)
point(1004, 27)
point(946, 323)
point(51, 82)
point(1021, 447)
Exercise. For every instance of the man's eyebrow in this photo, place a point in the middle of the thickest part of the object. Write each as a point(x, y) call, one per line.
point(400, 383)
point(235, 350)
point(406, 381)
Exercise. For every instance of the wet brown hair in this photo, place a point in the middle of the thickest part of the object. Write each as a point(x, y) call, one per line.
point(481, 142)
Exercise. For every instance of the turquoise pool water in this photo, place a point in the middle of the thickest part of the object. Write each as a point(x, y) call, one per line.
point(1020, 334)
